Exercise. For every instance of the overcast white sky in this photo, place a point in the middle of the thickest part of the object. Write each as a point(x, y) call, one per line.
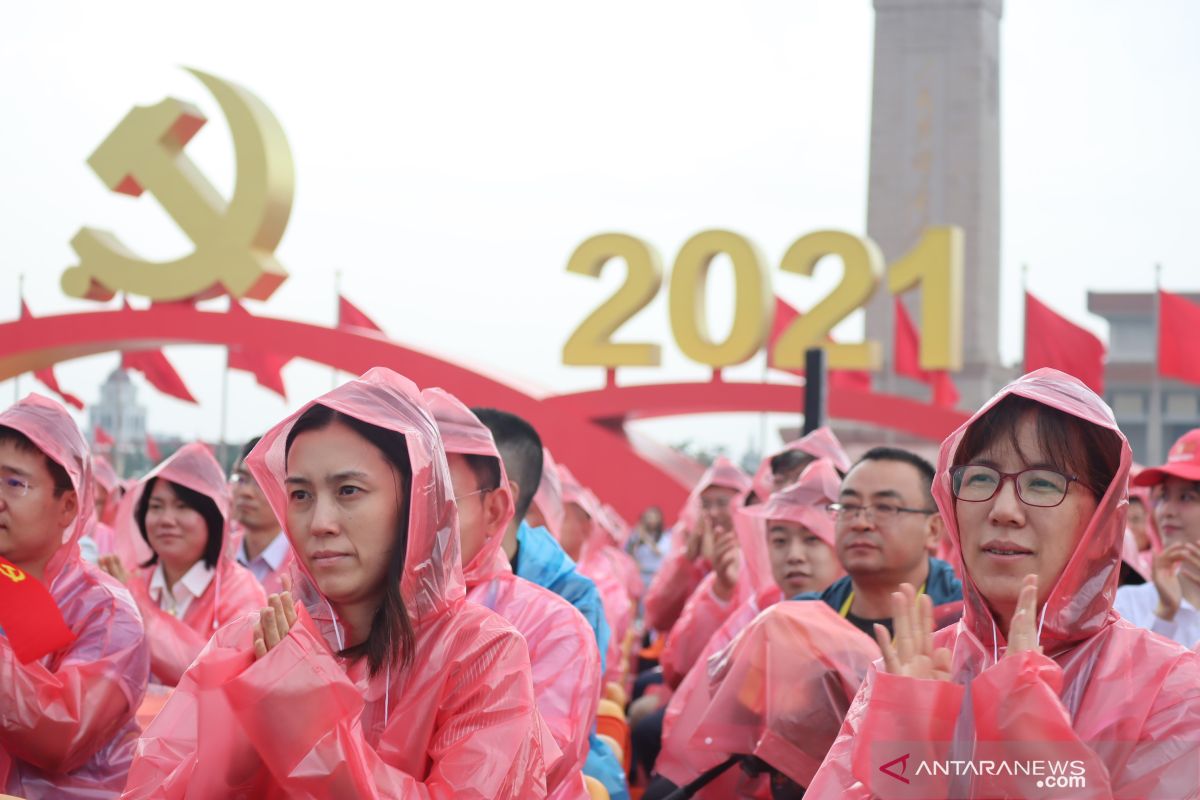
point(450, 156)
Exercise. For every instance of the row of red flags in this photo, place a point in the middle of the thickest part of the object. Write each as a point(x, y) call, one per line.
point(267, 368)
point(1051, 340)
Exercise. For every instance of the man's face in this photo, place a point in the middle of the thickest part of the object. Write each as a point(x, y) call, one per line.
point(884, 541)
point(250, 507)
point(32, 518)
point(470, 501)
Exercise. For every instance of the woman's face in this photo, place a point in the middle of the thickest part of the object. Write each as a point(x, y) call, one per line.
point(801, 561)
point(1177, 510)
point(1003, 539)
point(343, 510)
point(176, 532)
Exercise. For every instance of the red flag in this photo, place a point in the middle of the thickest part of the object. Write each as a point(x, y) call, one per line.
point(1051, 340)
point(152, 451)
point(102, 438)
point(838, 378)
point(350, 317)
point(267, 368)
point(162, 376)
point(46, 376)
point(906, 351)
point(29, 616)
point(1178, 338)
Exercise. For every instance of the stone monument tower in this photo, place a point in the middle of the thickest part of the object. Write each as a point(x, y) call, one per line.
point(935, 160)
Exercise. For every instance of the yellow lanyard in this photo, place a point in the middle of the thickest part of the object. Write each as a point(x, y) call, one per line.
point(845, 610)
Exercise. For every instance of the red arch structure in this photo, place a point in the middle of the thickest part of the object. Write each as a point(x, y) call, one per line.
point(584, 429)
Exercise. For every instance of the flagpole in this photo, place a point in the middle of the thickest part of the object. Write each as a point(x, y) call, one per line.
point(1154, 419)
point(337, 320)
point(224, 408)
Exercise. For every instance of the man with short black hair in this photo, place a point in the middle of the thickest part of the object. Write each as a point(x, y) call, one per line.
point(264, 548)
point(886, 528)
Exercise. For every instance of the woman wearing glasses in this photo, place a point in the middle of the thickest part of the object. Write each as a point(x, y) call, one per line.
point(1041, 687)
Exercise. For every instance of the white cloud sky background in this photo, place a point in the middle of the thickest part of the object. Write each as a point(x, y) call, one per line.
point(450, 157)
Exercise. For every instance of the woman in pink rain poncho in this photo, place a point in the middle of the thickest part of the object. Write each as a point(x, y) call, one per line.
point(739, 572)
point(1041, 677)
point(562, 648)
point(384, 681)
point(583, 539)
point(67, 725)
point(710, 505)
point(787, 547)
point(190, 585)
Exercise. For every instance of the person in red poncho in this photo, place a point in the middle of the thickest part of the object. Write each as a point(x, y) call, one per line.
point(562, 648)
point(67, 727)
point(383, 681)
point(1040, 673)
point(190, 585)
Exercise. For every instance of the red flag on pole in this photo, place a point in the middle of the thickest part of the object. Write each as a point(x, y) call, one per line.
point(349, 316)
point(1051, 340)
point(158, 371)
point(30, 618)
point(102, 438)
point(47, 376)
point(267, 368)
point(152, 451)
point(906, 351)
point(1178, 338)
point(838, 378)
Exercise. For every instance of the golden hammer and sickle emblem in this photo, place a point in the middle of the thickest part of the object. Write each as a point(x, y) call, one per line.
point(12, 573)
point(234, 241)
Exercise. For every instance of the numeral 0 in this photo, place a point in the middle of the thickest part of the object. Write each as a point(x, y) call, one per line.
point(935, 264)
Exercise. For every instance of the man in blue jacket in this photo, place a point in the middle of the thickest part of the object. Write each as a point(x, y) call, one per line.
point(886, 529)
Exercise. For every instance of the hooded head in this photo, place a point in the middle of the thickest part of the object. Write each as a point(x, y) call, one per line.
point(108, 489)
point(1051, 422)
point(785, 465)
point(773, 544)
point(193, 468)
point(547, 502)
point(481, 489)
point(582, 514)
point(387, 407)
point(68, 512)
point(716, 494)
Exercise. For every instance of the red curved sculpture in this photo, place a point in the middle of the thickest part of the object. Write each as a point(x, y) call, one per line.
point(584, 429)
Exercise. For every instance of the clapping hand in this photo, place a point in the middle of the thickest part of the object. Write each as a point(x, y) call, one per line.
point(911, 653)
point(1022, 631)
point(275, 620)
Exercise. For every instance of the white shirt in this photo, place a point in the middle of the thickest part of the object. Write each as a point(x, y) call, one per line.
point(268, 560)
point(176, 601)
point(1137, 604)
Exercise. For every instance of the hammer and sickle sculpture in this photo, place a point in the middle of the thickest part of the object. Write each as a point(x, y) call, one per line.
point(234, 241)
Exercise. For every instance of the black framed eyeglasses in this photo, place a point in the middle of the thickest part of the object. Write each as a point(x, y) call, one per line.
point(1042, 488)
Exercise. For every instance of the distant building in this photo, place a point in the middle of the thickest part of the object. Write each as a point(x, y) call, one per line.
point(121, 417)
point(1129, 375)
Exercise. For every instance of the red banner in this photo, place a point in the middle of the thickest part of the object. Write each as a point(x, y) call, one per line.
point(1054, 341)
point(1178, 338)
point(907, 353)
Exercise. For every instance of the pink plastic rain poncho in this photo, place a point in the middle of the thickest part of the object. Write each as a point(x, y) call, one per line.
point(704, 612)
point(802, 503)
point(562, 647)
point(821, 443)
point(67, 724)
point(548, 497)
point(233, 591)
point(457, 722)
point(780, 692)
point(1120, 700)
point(618, 532)
point(102, 531)
point(596, 564)
point(679, 576)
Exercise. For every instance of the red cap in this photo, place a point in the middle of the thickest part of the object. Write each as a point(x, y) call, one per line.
point(1182, 462)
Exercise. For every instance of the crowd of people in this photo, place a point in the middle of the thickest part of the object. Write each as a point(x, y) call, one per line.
point(396, 595)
